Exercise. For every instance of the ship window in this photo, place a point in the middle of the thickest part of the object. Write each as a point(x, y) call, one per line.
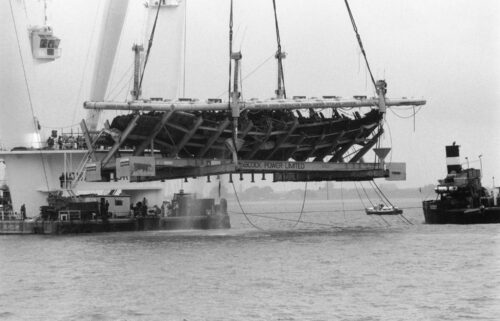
point(118, 202)
point(51, 44)
point(43, 43)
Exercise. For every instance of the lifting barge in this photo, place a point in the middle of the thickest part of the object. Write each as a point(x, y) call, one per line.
point(461, 199)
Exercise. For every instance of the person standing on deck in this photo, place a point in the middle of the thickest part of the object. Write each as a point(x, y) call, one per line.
point(23, 212)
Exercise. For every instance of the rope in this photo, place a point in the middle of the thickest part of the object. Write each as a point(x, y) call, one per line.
point(299, 219)
point(342, 199)
point(381, 193)
point(35, 123)
point(290, 220)
point(249, 74)
point(302, 208)
point(414, 113)
point(360, 42)
point(241, 208)
point(388, 201)
point(87, 59)
point(366, 194)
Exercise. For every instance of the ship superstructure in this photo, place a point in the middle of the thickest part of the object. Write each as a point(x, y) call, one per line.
point(461, 198)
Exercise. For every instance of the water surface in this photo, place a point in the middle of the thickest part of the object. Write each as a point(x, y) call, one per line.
point(340, 265)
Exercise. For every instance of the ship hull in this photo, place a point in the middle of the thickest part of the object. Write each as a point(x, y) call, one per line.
point(435, 214)
point(202, 222)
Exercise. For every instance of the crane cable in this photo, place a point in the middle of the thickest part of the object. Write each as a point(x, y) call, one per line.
point(36, 124)
point(150, 44)
point(241, 207)
point(279, 52)
point(360, 42)
point(388, 201)
point(299, 219)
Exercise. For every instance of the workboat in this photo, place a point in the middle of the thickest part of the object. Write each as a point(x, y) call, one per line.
point(114, 213)
point(383, 209)
point(461, 199)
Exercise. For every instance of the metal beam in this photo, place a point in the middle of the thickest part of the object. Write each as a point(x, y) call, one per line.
point(156, 130)
point(306, 103)
point(88, 140)
point(121, 140)
point(214, 137)
point(367, 147)
point(338, 156)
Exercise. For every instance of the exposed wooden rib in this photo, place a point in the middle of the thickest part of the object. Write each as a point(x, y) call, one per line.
point(214, 137)
point(317, 144)
point(283, 139)
point(296, 147)
point(258, 146)
point(332, 148)
point(188, 136)
point(156, 130)
point(179, 128)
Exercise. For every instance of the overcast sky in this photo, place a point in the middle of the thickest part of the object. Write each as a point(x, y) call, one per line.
point(446, 51)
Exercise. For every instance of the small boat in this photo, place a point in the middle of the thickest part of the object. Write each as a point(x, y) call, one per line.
point(382, 209)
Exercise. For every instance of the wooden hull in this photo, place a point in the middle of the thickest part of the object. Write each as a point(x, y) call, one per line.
point(263, 135)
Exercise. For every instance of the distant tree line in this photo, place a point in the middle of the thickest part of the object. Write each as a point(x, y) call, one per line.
point(332, 192)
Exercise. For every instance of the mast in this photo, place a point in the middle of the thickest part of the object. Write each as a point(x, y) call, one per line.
point(136, 92)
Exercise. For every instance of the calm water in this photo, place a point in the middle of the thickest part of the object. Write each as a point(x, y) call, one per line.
point(341, 265)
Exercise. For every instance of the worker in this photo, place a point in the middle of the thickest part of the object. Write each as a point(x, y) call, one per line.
point(50, 142)
point(106, 208)
point(23, 212)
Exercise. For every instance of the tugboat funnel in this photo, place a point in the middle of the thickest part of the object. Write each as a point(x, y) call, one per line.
point(453, 159)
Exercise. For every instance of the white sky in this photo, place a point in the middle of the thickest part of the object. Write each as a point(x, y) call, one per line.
point(446, 51)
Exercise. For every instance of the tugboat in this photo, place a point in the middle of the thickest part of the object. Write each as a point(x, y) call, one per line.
point(461, 199)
